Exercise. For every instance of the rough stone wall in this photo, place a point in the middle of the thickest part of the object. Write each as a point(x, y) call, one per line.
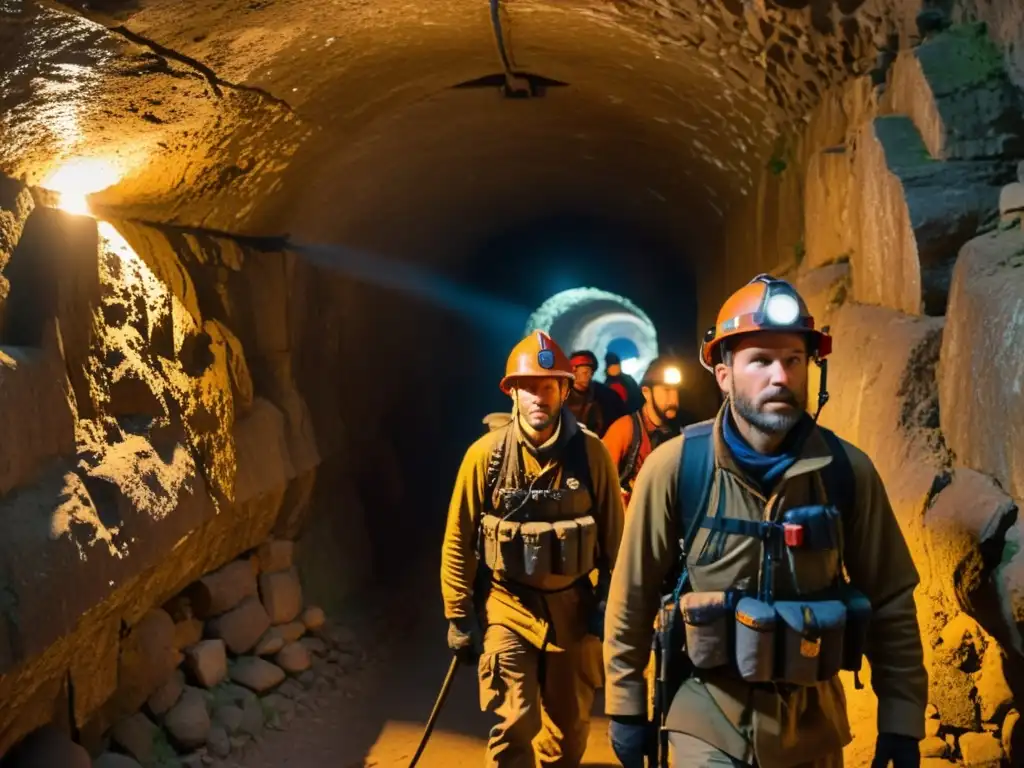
point(155, 431)
point(904, 235)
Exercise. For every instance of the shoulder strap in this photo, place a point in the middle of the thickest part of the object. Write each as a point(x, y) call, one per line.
point(696, 474)
point(840, 484)
point(634, 449)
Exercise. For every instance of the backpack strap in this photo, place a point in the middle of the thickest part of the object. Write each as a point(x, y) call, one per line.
point(837, 475)
point(634, 449)
point(696, 475)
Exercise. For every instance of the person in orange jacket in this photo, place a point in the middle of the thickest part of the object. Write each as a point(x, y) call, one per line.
point(631, 438)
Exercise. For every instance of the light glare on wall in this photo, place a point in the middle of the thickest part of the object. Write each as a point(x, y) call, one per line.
point(76, 179)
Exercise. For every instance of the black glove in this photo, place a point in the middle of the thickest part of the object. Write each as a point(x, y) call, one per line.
point(633, 739)
point(466, 639)
point(595, 612)
point(902, 751)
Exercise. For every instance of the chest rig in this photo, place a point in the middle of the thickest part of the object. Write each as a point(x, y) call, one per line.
point(539, 531)
point(793, 642)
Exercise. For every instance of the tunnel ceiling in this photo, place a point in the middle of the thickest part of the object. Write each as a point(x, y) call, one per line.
point(327, 120)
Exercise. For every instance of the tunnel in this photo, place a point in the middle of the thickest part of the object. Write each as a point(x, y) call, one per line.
point(262, 263)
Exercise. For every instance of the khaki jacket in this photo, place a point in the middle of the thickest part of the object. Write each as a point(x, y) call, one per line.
point(531, 613)
point(739, 718)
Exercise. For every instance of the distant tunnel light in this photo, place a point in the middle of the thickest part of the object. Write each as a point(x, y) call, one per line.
point(631, 366)
point(75, 180)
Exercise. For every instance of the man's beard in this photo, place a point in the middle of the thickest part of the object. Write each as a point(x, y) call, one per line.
point(665, 417)
point(775, 422)
point(549, 418)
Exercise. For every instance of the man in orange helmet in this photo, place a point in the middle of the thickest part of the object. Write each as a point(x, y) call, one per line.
point(784, 564)
point(535, 511)
point(631, 438)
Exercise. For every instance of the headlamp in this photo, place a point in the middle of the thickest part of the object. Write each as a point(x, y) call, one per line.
point(782, 309)
point(672, 377)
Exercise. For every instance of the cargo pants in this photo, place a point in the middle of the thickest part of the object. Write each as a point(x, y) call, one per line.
point(542, 700)
point(687, 751)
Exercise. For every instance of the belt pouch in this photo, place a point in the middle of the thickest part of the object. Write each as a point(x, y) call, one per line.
point(831, 618)
point(707, 620)
point(799, 642)
point(567, 536)
point(489, 533)
point(588, 543)
point(510, 549)
point(538, 545)
point(755, 640)
point(858, 620)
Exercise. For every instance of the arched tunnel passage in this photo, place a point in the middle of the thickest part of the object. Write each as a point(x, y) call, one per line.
point(341, 227)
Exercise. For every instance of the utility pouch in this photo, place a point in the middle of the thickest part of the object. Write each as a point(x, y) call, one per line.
point(588, 543)
point(810, 640)
point(538, 546)
point(814, 527)
point(858, 620)
point(489, 534)
point(566, 561)
point(510, 549)
point(708, 620)
point(755, 640)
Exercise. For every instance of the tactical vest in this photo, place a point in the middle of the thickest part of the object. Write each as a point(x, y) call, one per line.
point(799, 641)
point(543, 538)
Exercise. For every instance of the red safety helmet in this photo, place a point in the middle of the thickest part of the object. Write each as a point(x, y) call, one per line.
point(765, 303)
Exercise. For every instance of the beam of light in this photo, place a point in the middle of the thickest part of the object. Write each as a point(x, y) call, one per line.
point(411, 280)
point(631, 366)
point(76, 179)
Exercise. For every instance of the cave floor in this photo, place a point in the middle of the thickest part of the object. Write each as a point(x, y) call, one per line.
point(377, 714)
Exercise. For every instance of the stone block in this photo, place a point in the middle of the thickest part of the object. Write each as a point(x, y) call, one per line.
point(188, 722)
point(913, 214)
point(966, 524)
point(956, 89)
point(276, 555)
point(187, 632)
point(137, 736)
point(824, 290)
point(223, 589)
point(829, 228)
point(54, 274)
point(271, 642)
point(314, 618)
point(207, 662)
point(282, 595)
point(241, 379)
point(981, 750)
point(294, 658)
point(241, 627)
point(16, 204)
point(167, 695)
point(264, 460)
point(981, 374)
point(147, 661)
point(994, 694)
point(35, 406)
point(256, 674)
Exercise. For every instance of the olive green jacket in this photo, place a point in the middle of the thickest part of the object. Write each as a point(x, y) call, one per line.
point(741, 719)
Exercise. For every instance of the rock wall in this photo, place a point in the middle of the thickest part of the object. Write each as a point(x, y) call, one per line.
point(156, 431)
point(900, 221)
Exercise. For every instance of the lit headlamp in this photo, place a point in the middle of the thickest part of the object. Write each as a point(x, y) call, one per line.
point(672, 377)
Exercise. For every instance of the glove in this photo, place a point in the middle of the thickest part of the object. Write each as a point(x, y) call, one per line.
point(465, 639)
point(902, 751)
point(598, 602)
point(633, 738)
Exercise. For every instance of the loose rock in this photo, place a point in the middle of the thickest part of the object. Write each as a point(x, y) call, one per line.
point(167, 695)
point(114, 760)
point(187, 632)
point(188, 721)
point(314, 645)
point(276, 555)
point(252, 718)
point(282, 595)
point(229, 716)
point(256, 674)
point(136, 735)
point(314, 618)
point(981, 750)
point(207, 662)
point(292, 631)
point(223, 590)
point(993, 690)
point(217, 741)
point(271, 642)
point(933, 746)
point(293, 658)
point(241, 627)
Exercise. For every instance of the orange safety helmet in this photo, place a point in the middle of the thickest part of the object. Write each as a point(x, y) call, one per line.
point(764, 304)
point(536, 355)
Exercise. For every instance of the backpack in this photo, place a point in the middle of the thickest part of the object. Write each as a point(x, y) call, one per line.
point(696, 475)
point(634, 448)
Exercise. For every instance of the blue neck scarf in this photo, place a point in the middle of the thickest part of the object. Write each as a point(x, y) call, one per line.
point(765, 469)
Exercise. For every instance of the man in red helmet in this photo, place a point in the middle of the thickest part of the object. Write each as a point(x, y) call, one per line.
point(595, 405)
point(631, 438)
point(535, 512)
point(749, 521)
